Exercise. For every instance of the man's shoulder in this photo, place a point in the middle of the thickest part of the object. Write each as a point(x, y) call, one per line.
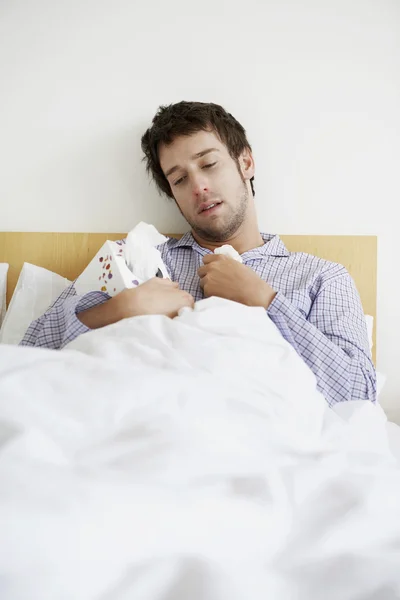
point(302, 260)
point(326, 269)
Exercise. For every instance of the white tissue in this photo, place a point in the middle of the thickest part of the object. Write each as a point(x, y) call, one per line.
point(118, 266)
point(228, 250)
point(141, 257)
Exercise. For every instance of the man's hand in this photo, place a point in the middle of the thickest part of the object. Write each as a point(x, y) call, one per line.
point(227, 278)
point(155, 297)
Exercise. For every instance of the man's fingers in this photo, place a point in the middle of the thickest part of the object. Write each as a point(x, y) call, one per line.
point(208, 258)
point(168, 282)
point(201, 271)
point(189, 300)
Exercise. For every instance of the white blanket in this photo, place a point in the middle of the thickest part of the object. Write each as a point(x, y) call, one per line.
point(193, 458)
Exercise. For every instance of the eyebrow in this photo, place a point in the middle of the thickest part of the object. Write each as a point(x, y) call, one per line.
point(197, 155)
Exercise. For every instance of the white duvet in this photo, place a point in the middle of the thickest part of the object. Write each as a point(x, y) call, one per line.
point(190, 459)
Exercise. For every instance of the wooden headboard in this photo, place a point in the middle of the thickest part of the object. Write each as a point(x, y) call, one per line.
point(69, 253)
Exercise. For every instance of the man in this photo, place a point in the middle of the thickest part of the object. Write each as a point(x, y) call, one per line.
point(198, 154)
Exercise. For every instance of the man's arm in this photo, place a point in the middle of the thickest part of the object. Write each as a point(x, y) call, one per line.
point(332, 340)
point(72, 315)
point(60, 325)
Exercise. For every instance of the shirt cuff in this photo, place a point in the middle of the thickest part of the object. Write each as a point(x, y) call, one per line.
point(281, 306)
point(75, 328)
point(75, 325)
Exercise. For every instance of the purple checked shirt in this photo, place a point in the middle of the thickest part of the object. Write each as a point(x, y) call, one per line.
point(317, 309)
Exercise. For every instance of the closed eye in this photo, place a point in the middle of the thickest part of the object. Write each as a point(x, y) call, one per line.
point(208, 166)
point(179, 181)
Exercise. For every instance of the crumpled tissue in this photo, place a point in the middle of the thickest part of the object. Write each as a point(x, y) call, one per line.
point(228, 250)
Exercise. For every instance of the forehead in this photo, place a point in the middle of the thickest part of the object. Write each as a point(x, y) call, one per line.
point(186, 146)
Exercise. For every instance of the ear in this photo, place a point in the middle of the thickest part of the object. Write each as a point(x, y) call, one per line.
point(246, 162)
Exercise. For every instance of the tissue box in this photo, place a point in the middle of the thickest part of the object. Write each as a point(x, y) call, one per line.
point(107, 272)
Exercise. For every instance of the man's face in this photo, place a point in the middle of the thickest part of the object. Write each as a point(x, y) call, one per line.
point(201, 174)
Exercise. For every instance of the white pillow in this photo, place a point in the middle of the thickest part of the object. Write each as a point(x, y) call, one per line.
point(3, 289)
point(370, 328)
point(380, 382)
point(36, 290)
point(380, 377)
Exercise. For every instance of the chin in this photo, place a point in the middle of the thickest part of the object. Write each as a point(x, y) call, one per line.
point(212, 234)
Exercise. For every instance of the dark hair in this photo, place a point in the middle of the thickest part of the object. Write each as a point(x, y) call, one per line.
point(186, 118)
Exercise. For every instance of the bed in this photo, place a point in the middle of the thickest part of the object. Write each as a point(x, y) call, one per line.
point(164, 459)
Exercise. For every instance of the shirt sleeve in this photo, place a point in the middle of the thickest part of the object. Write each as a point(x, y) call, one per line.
point(60, 325)
point(332, 339)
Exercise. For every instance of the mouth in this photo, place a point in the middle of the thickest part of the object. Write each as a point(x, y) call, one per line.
point(209, 207)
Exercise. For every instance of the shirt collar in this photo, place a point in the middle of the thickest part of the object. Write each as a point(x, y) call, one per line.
point(273, 245)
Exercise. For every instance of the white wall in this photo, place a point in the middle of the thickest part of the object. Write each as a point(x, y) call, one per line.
point(316, 84)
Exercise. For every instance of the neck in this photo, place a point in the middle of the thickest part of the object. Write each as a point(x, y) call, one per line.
point(245, 238)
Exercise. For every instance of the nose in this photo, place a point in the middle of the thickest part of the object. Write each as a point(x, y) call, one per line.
point(199, 185)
